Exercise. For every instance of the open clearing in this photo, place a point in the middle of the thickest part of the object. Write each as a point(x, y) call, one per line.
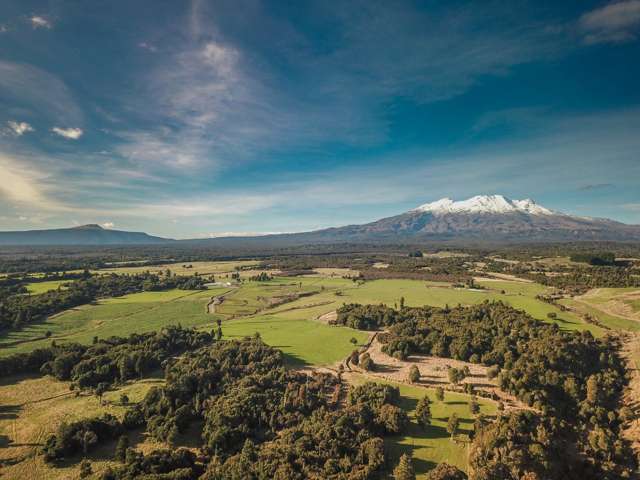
point(187, 268)
point(433, 445)
point(36, 288)
point(25, 424)
point(617, 308)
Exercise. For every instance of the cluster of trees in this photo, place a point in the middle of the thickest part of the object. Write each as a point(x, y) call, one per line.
point(570, 377)
point(584, 278)
point(258, 420)
point(261, 277)
point(17, 310)
point(601, 258)
point(108, 361)
point(81, 437)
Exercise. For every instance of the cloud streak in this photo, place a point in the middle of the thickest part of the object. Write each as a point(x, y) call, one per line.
point(617, 22)
point(68, 133)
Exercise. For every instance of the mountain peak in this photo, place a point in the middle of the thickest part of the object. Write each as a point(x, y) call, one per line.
point(89, 226)
point(495, 204)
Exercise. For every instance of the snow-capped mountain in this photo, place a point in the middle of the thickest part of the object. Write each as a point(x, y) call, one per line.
point(483, 218)
point(484, 204)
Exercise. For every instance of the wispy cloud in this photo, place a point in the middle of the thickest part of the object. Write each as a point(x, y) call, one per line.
point(595, 186)
point(148, 46)
point(39, 21)
point(69, 133)
point(38, 91)
point(19, 128)
point(22, 185)
point(616, 22)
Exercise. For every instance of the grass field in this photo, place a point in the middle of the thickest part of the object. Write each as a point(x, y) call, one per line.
point(185, 268)
point(32, 408)
point(253, 307)
point(36, 288)
point(434, 445)
point(120, 316)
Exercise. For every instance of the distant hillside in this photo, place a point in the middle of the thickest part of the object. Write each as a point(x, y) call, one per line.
point(484, 218)
point(480, 219)
point(83, 235)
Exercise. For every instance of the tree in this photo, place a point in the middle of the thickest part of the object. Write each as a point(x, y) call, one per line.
point(414, 374)
point(592, 389)
point(89, 439)
point(354, 340)
point(444, 471)
point(121, 448)
point(124, 399)
point(101, 388)
point(440, 394)
point(219, 335)
point(366, 362)
point(453, 424)
point(474, 406)
point(85, 468)
point(423, 412)
point(404, 469)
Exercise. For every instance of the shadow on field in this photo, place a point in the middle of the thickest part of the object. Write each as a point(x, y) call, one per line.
point(292, 360)
point(9, 412)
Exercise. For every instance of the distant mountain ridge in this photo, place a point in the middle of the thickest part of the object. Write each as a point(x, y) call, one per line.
point(91, 234)
point(483, 218)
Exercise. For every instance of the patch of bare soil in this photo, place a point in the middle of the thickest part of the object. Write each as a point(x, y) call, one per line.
point(631, 397)
point(497, 277)
point(616, 307)
point(434, 373)
point(329, 317)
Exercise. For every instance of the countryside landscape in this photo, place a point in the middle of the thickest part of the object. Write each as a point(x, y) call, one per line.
point(359, 240)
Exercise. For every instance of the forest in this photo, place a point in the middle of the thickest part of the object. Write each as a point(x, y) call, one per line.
point(573, 380)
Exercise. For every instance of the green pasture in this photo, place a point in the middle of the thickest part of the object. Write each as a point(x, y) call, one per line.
point(434, 445)
point(36, 288)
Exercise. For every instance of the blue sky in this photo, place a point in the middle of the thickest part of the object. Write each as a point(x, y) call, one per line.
point(190, 119)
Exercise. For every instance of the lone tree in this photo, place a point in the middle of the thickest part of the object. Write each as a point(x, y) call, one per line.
point(423, 412)
point(474, 406)
point(456, 376)
point(86, 470)
point(404, 469)
point(121, 448)
point(366, 362)
point(453, 424)
point(414, 374)
point(440, 394)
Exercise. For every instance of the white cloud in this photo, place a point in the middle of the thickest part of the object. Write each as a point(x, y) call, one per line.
point(148, 46)
point(19, 128)
point(107, 225)
point(70, 133)
point(616, 22)
point(38, 21)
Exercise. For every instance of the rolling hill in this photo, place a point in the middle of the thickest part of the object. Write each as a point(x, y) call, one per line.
point(82, 235)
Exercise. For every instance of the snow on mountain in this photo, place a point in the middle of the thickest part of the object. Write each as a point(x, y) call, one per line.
point(495, 204)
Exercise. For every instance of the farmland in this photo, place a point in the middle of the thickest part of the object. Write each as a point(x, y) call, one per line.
point(289, 313)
